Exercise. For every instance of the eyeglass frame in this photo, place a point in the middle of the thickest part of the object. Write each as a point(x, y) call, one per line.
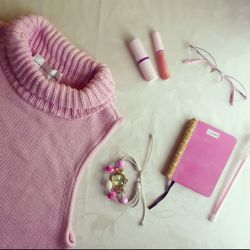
point(214, 67)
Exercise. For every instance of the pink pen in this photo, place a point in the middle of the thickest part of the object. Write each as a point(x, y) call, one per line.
point(218, 205)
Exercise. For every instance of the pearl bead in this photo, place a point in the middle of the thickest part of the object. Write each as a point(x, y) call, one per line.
point(109, 169)
point(124, 200)
point(121, 164)
point(112, 195)
point(109, 185)
point(138, 185)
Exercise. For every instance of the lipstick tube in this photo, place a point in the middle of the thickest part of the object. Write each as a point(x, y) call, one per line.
point(143, 60)
point(160, 56)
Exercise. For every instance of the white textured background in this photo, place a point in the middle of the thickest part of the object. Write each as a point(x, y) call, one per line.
point(101, 28)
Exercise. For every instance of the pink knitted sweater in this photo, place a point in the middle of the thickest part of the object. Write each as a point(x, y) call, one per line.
point(48, 131)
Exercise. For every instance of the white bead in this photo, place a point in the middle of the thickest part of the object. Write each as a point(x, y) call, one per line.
point(109, 185)
point(138, 185)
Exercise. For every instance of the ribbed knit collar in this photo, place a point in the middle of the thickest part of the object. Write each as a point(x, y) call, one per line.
point(86, 87)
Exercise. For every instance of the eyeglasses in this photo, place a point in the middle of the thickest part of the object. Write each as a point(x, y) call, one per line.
point(205, 57)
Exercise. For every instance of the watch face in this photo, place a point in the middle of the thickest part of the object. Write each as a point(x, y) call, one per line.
point(118, 180)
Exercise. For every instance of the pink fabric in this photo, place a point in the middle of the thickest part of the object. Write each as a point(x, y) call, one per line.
point(204, 159)
point(48, 132)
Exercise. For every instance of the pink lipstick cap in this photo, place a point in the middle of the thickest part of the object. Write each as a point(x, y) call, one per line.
point(157, 41)
point(143, 60)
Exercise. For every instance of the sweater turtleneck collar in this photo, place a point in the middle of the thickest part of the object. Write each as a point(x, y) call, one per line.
point(85, 87)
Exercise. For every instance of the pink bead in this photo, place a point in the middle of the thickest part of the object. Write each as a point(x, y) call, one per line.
point(121, 164)
point(112, 195)
point(109, 169)
point(124, 200)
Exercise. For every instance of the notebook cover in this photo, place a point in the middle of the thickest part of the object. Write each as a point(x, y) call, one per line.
point(201, 157)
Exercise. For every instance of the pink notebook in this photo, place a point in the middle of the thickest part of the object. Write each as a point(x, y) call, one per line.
point(201, 157)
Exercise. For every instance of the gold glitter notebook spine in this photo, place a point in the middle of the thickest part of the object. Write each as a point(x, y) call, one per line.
point(191, 125)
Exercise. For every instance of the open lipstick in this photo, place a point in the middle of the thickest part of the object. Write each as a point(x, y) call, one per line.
point(160, 56)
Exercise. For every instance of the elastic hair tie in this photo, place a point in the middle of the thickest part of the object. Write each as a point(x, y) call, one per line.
point(116, 180)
